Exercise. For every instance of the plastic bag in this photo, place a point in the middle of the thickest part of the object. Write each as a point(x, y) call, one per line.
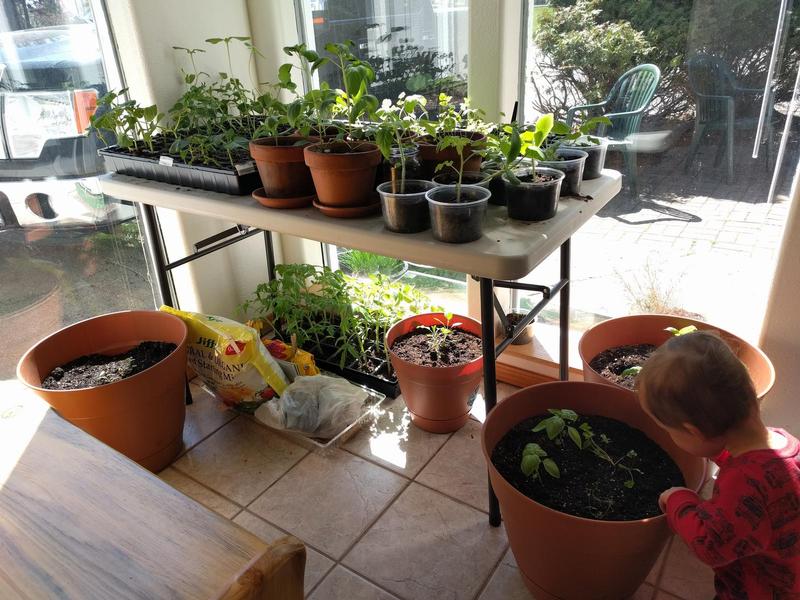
point(231, 359)
point(316, 406)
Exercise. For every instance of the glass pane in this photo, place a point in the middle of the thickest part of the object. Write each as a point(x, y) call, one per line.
point(415, 46)
point(694, 231)
point(67, 252)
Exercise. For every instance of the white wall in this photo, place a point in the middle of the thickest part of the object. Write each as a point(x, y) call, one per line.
point(780, 335)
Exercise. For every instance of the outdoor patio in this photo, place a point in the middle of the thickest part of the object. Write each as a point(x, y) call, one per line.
point(396, 513)
point(680, 243)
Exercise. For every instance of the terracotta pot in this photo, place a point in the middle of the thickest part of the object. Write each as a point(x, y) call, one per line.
point(649, 329)
point(282, 168)
point(562, 557)
point(344, 178)
point(430, 156)
point(141, 416)
point(438, 398)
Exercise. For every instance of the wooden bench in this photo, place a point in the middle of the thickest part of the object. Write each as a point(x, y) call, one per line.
point(79, 520)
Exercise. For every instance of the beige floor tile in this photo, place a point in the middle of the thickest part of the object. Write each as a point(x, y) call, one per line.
point(240, 460)
point(645, 592)
point(506, 582)
point(478, 411)
point(328, 501)
point(342, 584)
point(655, 572)
point(392, 441)
point(685, 576)
point(458, 470)
point(317, 565)
point(426, 546)
point(198, 492)
point(204, 416)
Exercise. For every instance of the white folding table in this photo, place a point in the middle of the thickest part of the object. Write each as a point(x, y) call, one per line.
point(508, 251)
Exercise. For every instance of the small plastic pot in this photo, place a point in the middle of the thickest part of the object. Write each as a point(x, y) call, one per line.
point(595, 161)
point(468, 178)
point(457, 222)
point(406, 212)
point(571, 164)
point(534, 200)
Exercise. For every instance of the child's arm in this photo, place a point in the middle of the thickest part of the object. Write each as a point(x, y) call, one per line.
point(730, 526)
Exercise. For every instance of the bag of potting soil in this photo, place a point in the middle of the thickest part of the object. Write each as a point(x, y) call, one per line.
point(231, 359)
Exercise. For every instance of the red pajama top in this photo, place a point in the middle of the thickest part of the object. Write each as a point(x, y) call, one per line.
point(749, 531)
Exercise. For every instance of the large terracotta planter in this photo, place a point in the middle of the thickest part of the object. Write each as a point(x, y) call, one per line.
point(141, 416)
point(562, 557)
point(344, 179)
point(437, 398)
point(282, 167)
point(650, 329)
point(430, 156)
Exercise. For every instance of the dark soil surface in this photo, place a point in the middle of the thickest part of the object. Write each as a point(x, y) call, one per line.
point(514, 318)
point(468, 178)
point(100, 369)
point(459, 348)
point(612, 362)
point(589, 486)
point(540, 178)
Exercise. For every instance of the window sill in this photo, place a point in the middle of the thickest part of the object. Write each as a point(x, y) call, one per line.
point(537, 362)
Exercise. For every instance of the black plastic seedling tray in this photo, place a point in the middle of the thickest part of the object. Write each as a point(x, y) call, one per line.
point(243, 180)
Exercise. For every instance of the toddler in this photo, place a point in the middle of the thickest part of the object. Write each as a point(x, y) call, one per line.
point(749, 531)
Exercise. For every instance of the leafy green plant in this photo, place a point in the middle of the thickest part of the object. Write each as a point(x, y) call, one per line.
point(562, 424)
point(354, 101)
point(534, 457)
point(453, 117)
point(682, 331)
point(131, 123)
point(396, 124)
point(514, 146)
point(581, 133)
point(438, 334)
point(631, 371)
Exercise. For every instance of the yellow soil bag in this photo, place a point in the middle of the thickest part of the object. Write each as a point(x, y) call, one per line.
point(231, 359)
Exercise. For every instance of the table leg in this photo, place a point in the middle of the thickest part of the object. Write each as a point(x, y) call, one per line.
point(563, 314)
point(489, 373)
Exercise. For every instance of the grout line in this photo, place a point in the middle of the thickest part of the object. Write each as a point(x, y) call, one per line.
point(203, 485)
point(204, 438)
point(492, 572)
point(284, 474)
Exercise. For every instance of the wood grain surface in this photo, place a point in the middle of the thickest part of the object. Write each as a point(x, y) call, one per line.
point(79, 520)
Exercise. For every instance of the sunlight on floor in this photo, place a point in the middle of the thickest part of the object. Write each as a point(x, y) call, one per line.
point(389, 438)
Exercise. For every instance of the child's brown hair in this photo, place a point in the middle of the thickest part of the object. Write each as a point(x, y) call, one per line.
point(696, 378)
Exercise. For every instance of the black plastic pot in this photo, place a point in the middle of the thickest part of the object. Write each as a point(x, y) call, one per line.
point(377, 379)
point(457, 222)
point(571, 162)
point(468, 178)
point(406, 212)
point(534, 201)
point(595, 161)
point(243, 180)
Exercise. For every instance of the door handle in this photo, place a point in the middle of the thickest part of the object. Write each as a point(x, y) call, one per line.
point(773, 60)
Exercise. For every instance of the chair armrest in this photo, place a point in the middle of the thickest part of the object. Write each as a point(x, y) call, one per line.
point(744, 90)
point(571, 112)
point(278, 573)
point(713, 97)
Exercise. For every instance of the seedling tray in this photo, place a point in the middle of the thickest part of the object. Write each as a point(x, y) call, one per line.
point(243, 180)
point(371, 380)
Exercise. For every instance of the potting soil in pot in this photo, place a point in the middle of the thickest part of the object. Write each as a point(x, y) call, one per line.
point(460, 347)
point(587, 485)
point(100, 369)
point(612, 363)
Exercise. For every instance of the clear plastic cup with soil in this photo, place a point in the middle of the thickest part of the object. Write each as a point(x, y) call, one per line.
point(571, 162)
point(514, 318)
point(402, 163)
point(404, 205)
point(457, 212)
point(596, 155)
point(533, 197)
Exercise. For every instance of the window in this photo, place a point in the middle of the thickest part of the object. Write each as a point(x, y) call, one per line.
point(415, 46)
point(697, 226)
point(67, 252)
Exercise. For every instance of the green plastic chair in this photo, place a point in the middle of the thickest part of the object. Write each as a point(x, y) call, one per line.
point(624, 106)
point(716, 90)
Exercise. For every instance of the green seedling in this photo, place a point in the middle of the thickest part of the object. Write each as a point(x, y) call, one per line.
point(534, 457)
point(631, 371)
point(438, 334)
point(682, 331)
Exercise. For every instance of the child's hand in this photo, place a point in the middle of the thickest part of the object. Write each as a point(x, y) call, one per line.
point(662, 499)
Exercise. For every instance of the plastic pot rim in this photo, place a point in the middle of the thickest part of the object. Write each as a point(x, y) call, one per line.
point(483, 191)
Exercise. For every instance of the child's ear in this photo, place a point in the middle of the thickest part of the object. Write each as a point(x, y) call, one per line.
point(694, 431)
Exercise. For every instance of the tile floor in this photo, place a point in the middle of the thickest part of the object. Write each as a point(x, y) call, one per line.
point(397, 513)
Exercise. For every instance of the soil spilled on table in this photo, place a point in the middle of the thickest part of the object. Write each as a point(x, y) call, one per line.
point(101, 369)
point(613, 362)
point(460, 347)
point(589, 486)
